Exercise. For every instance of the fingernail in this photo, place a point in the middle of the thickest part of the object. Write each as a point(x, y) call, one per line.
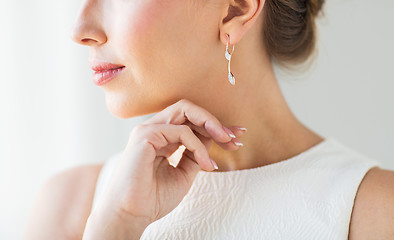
point(229, 132)
point(242, 128)
point(237, 142)
point(214, 163)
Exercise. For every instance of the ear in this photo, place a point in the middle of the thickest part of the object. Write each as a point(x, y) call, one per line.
point(238, 18)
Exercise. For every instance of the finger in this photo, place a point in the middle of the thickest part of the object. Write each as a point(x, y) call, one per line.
point(207, 141)
point(162, 135)
point(232, 145)
point(187, 162)
point(238, 130)
point(168, 150)
point(189, 166)
point(229, 146)
point(201, 130)
point(183, 110)
point(235, 142)
point(171, 148)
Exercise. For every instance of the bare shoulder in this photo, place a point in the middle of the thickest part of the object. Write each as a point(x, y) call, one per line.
point(62, 206)
point(373, 210)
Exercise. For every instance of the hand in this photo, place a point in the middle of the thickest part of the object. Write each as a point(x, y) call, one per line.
point(145, 185)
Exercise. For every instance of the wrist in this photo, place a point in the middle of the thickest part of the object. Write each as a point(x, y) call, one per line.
point(114, 225)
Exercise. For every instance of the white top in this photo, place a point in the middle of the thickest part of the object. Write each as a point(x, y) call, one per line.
point(308, 196)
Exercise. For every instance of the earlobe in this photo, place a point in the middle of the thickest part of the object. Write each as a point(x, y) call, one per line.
point(238, 18)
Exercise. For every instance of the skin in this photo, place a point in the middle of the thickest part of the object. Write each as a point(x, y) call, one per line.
point(188, 58)
point(167, 61)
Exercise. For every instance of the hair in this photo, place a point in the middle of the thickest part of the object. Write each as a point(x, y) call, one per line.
point(290, 30)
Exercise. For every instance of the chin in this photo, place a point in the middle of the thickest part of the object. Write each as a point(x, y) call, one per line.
point(123, 107)
point(119, 108)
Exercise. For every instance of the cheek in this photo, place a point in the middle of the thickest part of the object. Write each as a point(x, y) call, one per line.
point(144, 26)
point(167, 47)
point(157, 34)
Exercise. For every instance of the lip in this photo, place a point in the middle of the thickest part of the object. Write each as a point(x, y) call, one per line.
point(105, 72)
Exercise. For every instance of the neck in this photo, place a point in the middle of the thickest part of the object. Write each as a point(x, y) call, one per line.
point(257, 103)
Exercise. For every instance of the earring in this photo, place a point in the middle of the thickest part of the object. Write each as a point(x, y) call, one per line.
point(231, 77)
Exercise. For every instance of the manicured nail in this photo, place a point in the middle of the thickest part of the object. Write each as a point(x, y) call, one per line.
point(237, 142)
point(229, 132)
point(242, 128)
point(214, 163)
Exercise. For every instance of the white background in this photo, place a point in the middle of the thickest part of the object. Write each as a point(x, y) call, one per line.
point(53, 117)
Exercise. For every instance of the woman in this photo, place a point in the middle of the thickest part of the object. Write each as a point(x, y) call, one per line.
point(205, 67)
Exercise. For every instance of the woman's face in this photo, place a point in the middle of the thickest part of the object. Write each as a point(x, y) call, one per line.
point(171, 49)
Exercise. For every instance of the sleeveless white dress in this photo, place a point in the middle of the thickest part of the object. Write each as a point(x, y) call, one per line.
point(308, 196)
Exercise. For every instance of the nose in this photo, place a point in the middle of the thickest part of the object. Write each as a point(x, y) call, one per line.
point(87, 29)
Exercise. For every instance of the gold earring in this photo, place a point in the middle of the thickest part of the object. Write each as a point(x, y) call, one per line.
point(231, 77)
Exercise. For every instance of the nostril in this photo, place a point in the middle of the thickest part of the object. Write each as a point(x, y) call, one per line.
point(88, 41)
point(86, 34)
